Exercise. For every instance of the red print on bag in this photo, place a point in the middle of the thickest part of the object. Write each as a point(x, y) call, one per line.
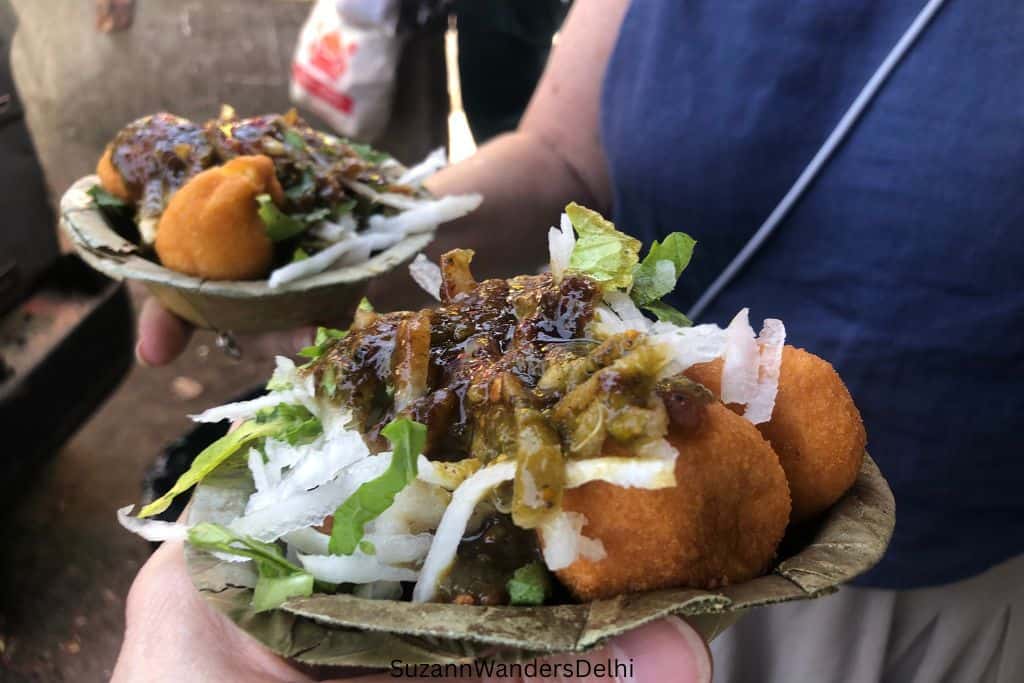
point(329, 55)
point(322, 91)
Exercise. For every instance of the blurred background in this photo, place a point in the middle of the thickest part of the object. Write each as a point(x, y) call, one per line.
point(83, 425)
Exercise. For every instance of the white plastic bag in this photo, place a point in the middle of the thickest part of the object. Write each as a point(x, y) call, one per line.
point(345, 62)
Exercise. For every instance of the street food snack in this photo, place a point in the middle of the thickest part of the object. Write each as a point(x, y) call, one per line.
point(528, 441)
point(815, 428)
point(315, 200)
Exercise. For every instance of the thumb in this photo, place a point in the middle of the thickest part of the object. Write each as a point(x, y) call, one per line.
point(666, 650)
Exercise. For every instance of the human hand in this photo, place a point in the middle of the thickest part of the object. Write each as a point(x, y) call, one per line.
point(163, 336)
point(172, 634)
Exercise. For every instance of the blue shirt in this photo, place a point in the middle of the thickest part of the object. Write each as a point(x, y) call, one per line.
point(903, 264)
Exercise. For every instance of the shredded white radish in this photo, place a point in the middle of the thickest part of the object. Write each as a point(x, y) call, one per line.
point(688, 346)
point(390, 199)
point(433, 163)
point(317, 263)
point(308, 508)
point(561, 242)
point(427, 275)
point(627, 311)
point(447, 475)
point(564, 542)
point(642, 473)
point(151, 529)
point(770, 342)
point(453, 525)
point(389, 548)
point(354, 568)
point(335, 231)
point(741, 359)
point(245, 409)
point(417, 508)
point(312, 465)
point(427, 216)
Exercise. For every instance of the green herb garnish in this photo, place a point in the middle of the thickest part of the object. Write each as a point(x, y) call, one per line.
point(287, 423)
point(375, 496)
point(278, 579)
point(529, 585)
point(324, 337)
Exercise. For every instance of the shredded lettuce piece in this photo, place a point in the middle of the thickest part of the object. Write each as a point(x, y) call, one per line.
point(280, 226)
point(601, 251)
point(368, 153)
point(375, 496)
point(529, 585)
point(299, 254)
point(296, 425)
point(293, 139)
point(657, 274)
point(278, 580)
point(325, 336)
point(285, 423)
point(667, 313)
point(611, 257)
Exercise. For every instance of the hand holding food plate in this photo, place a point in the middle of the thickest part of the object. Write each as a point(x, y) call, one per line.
point(530, 468)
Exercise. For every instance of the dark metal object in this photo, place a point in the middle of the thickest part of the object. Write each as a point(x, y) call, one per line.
point(28, 242)
point(66, 347)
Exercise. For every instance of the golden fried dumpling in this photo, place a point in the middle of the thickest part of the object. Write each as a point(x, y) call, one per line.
point(211, 227)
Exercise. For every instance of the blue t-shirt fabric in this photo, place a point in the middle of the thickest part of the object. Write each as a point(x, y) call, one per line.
point(903, 264)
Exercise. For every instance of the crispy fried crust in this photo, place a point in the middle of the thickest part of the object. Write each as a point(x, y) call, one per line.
point(720, 524)
point(211, 227)
point(111, 179)
point(815, 428)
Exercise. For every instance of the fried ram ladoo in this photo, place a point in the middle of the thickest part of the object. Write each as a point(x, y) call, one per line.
point(815, 428)
point(719, 524)
point(211, 228)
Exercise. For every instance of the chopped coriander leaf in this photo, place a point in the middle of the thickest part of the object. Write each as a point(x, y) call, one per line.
point(375, 496)
point(365, 305)
point(299, 254)
point(529, 585)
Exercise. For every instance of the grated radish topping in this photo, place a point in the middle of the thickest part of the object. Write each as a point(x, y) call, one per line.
point(151, 529)
point(741, 360)
point(561, 242)
point(770, 341)
point(564, 542)
point(427, 275)
point(453, 525)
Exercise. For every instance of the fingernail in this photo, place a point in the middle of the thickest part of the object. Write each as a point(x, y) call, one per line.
point(667, 650)
point(139, 358)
